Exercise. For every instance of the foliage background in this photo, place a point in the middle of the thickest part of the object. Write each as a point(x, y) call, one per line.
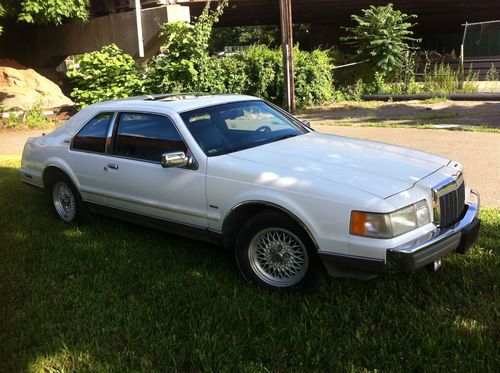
point(186, 66)
point(44, 12)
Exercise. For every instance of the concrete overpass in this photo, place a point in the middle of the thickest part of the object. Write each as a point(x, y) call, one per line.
point(439, 21)
point(46, 47)
point(113, 21)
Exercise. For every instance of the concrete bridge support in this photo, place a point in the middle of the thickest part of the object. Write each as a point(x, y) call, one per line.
point(44, 48)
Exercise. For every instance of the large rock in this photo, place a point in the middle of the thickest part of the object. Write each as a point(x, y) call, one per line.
point(22, 88)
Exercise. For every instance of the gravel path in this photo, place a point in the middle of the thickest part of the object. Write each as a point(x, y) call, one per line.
point(479, 152)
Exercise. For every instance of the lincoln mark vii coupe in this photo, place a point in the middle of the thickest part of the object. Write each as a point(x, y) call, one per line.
point(247, 175)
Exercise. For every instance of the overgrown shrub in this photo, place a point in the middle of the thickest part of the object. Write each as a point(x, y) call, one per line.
point(184, 55)
point(313, 77)
point(32, 118)
point(104, 75)
point(223, 75)
point(264, 69)
point(257, 71)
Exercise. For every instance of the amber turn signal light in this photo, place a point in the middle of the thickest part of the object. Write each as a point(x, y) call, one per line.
point(358, 223)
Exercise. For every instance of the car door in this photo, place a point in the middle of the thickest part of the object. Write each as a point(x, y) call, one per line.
point(137, 182)
point(86, 156)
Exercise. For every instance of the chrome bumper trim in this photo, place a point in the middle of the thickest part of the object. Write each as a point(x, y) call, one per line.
point(425, 249)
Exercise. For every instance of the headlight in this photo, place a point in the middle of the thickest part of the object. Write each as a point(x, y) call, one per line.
point(390, 225)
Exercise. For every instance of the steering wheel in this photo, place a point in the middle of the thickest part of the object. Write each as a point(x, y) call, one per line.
point(263, 129)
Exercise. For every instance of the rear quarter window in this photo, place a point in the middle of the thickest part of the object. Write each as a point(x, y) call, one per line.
point(92, 137)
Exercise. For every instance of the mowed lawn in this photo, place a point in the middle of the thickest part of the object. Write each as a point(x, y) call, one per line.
point(111, 296)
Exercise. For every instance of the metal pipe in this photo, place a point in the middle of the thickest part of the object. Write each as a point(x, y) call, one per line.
point(287, 46)
point(138, 21)
point(479, 23)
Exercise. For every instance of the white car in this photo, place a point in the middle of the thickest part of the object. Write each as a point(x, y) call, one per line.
point(239, 171)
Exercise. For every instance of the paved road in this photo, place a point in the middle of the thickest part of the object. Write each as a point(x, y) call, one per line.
point(479, 152)
point(12, 142)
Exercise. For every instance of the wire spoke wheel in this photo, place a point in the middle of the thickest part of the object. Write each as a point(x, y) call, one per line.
point(278, 257)
point(64, 201)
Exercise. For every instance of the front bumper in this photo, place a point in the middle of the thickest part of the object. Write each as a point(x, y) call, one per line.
point(438, 243)
point(413, 254)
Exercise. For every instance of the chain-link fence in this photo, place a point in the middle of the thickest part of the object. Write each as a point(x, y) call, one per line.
point(480, 53)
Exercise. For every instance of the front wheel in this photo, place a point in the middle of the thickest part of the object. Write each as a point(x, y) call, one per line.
point(274, 252)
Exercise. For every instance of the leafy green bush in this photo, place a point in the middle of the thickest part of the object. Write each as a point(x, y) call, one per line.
point(264, 69)
point(104, 75)
point(313, 77)
point(223, 75)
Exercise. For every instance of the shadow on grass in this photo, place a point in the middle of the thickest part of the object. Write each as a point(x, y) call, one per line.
point(114, 296)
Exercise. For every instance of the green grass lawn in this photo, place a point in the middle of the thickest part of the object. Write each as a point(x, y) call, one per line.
point(111, 296)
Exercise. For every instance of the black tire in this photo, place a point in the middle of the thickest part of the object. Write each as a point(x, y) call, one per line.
point(267, 245)
point(65, 200)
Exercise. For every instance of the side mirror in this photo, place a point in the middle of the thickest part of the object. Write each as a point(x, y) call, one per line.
point(306, 123)
point(175, 159)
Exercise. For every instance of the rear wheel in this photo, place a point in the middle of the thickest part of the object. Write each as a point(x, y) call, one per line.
point(65, 199)
point(274, 252)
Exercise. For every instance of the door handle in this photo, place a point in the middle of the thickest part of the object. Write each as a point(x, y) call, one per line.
point(113, 166)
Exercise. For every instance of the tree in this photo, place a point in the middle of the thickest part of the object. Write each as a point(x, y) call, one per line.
point(383, 36)
point(45, 12)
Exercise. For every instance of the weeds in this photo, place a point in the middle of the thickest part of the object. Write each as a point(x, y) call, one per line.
point(492, 73)
point(31, 118)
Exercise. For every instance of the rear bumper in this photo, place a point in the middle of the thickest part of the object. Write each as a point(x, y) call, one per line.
point(413, 254)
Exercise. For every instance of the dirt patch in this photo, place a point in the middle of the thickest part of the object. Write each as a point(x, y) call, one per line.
point(466, 113)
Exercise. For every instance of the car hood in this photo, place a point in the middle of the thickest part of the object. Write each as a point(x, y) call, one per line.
point(376, 168)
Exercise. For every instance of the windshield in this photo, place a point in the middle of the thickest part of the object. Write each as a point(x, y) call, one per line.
point(227, 128)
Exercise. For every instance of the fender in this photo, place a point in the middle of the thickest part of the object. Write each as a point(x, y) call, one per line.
point(292, 215)
point(64, 167)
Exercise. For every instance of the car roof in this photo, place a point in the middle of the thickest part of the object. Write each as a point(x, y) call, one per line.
point(178, 102)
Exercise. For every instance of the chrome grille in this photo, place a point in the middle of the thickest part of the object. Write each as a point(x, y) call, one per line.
point(452, 206)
